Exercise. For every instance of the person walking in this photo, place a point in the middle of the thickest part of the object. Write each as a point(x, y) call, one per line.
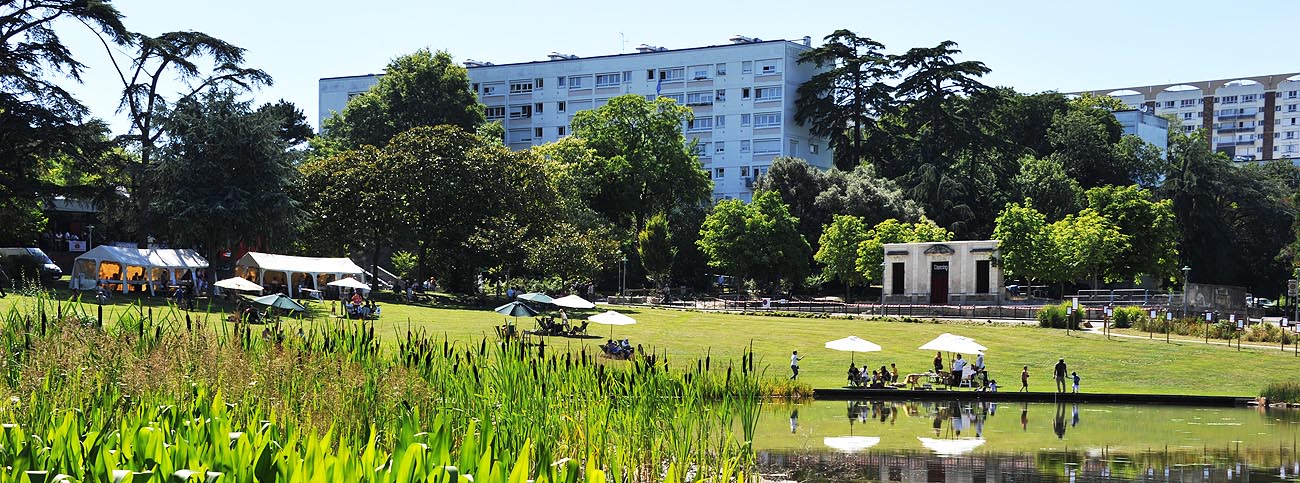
point(794, 364)
point(1024, 379)
point(1059, 375)
point(1075, 376)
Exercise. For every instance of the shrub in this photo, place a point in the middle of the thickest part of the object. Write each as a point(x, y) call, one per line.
point(1125, 317)
point(1282, 392)
point(1057, 316)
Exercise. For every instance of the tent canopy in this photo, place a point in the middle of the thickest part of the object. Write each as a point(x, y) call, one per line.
point(125, 263)
point(146, 257)
point(954, 343)
point(288, 263)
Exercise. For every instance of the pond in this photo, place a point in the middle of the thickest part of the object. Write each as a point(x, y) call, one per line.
point(972, 441)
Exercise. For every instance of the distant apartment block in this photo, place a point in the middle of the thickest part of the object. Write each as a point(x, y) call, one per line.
point(1145, 125)
point(1248, 118)
point(742, 94)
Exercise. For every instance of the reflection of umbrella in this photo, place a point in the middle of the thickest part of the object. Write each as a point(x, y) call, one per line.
point(349, 283)
point(954, 343)
point(951, 447)
point(279, 301)
point(851, 444)
point(854, 345)
point(516, 310)
point(611, 318)
point(238, 284)
point(573, 302)
point(540, 298)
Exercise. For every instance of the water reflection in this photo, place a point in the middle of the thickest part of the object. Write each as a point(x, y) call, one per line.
point(969, 441)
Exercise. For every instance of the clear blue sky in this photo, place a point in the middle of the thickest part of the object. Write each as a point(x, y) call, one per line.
point(1030, 45)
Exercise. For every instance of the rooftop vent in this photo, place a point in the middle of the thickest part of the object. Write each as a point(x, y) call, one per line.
point(644, 48)
point(741, 39)
point(469, 63)
point(807, 41)
point(559, 56)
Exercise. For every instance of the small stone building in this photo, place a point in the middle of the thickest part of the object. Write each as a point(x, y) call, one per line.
point(940, 273)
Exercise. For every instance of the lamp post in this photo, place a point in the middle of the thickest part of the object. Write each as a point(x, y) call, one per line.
point(1186, 271)
point(90, 237)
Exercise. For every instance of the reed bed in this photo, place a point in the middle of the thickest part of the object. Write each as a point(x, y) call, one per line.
point(201, 397)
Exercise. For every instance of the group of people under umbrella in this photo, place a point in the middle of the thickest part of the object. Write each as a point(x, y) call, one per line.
point(963, 373)
point(355, 306)
point(548, 327)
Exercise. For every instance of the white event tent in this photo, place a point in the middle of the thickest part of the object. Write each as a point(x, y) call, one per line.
point(122, 268)
point(270, 270)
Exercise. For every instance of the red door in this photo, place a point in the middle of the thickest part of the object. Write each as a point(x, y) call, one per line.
point(938, 283)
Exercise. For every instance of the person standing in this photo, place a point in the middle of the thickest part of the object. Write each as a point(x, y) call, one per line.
point(1059, 374)
point(979, 363)
point(794, 364)
point(1024, 379)
point(938, 363)
point(1075, 377)
point(957, 367)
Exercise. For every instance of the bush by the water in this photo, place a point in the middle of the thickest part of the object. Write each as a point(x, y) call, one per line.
point(1288, 392)
point(1125, 317)
point(1058, 316)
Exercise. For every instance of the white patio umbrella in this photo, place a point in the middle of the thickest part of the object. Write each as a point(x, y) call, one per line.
point(573, 302)
point(538, 297)
point(850, 444)
point(238, 284)
point(951, 447)
point(954, 343)
point(853, 344)
point(611, 318)
point(349, 283)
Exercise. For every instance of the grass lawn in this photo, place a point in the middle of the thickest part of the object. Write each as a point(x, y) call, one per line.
point(1117, 365)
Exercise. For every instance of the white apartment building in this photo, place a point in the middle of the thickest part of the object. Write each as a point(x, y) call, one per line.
point(1249, 118)
point(743, 96)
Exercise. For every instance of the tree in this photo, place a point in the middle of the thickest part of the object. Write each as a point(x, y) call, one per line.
point(848, 95)
point(799, 184)
point(641, 163)
point(1152, 247)
point(419, 89)
point(1083, 138)
point(871, 252)
point(1021, 121)
point(1143, 161)
point(1084, 244)
point(839, 251)
point(756, 241)
point(863, 194)
point(1026, 249)
point(223, 172)
point(1044, 180)
point(655, 248)
point(347, 203)
point(39, 120)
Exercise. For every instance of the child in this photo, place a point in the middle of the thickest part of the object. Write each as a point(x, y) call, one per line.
point(1024, 379)
point(993, 386)
point(1075, 375)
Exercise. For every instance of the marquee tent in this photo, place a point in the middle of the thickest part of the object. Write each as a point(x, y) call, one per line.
point(271, 271)
point(125, 269)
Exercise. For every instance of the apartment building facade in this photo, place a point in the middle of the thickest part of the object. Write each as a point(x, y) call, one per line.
point(742, 95)
point(1249, 118)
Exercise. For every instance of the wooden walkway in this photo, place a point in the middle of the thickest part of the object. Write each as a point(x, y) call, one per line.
point(847, 394)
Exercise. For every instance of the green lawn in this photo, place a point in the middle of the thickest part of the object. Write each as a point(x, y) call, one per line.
point(1117, 365)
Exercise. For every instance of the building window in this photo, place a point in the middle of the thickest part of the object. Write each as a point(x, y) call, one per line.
point(537, 108)
point(1290, 94)
point(1169, 104)
point(1187, 103)
point(767, 119)
point(896, 278)
point(701, 150)
point(744, 171)
point(491, 89)
point(1187, 115)
point(680, 98)
point(521, 111)
point(472, 87)
point(701, 98)
point(721, 69)
point(537, 132)
point(1229, 100)
point(813, 149)
point(521, 87)
point(767, 146)
point(627, 77)
point(559, 106)
point(720, 121)
point(744, 147)
point(794, 147)
point(720, 95)
point(700, 124)
point(1290, 108)
point(744, 93)
point(720, 147)
point(576, 82)
point(700, 72)
point(769, 66)
point(982, 276)
point(769, 93)
point(1248, 98)
point(537, 83)
point(608, 80)
point(746, 67)
point(719, 172)
point(744, 119)
point(559, 130)
point(672, 74)
point(649, 74)
point(495, 112)
point(559, 81)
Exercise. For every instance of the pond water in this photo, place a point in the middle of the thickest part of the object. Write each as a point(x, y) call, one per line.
point(935, 441)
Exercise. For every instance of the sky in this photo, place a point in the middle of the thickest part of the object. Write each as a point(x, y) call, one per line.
point(1031, 46)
